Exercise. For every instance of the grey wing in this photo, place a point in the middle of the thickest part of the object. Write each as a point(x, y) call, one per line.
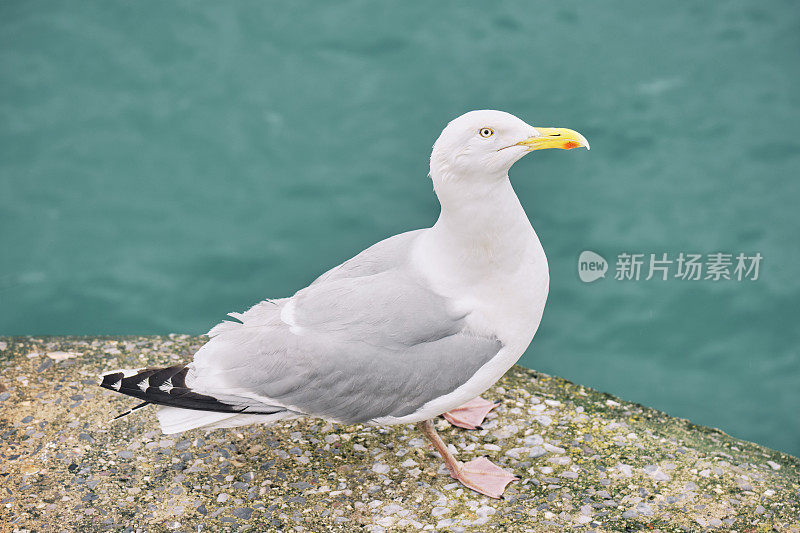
point(360, 344)
point(379, 257)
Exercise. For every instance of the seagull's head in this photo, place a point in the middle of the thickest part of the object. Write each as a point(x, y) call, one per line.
point(482, 145)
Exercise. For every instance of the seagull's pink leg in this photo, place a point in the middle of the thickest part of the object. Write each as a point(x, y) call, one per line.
point(471, 414)
point(480, 475)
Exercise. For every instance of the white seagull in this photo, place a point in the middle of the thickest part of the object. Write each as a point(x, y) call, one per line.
point(413, 327)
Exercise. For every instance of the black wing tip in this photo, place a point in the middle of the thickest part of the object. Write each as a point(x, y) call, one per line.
point(148, 384)
point(145, 384)
point(109, 380)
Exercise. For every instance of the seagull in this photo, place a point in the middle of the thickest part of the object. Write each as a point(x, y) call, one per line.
point(415, 326)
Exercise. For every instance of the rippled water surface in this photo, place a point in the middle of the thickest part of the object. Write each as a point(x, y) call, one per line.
point(162, 163)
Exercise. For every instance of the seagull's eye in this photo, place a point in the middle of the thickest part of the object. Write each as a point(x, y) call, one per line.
point(486, 132)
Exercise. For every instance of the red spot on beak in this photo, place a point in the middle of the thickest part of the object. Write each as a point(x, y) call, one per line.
point(569, 145)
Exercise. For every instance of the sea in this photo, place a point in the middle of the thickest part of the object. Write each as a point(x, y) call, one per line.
point(164, 163)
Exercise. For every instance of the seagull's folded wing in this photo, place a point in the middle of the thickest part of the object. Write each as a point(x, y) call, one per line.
point(367, 340)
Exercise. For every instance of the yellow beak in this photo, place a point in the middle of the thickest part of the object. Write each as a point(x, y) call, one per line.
point(555, 138)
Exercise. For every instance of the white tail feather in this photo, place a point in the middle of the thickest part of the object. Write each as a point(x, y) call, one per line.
point(177, 420)
point(246, 420)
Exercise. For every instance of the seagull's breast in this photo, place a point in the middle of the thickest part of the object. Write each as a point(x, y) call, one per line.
point(509, 303)
point(503, 302)
point(502, 292)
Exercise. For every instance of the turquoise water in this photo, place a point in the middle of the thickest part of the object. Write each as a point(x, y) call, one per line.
point(162, 163)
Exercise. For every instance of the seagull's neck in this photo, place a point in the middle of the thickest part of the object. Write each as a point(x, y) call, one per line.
point(481, 224)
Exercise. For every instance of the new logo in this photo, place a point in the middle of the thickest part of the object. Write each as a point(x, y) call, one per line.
point(591, 266)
